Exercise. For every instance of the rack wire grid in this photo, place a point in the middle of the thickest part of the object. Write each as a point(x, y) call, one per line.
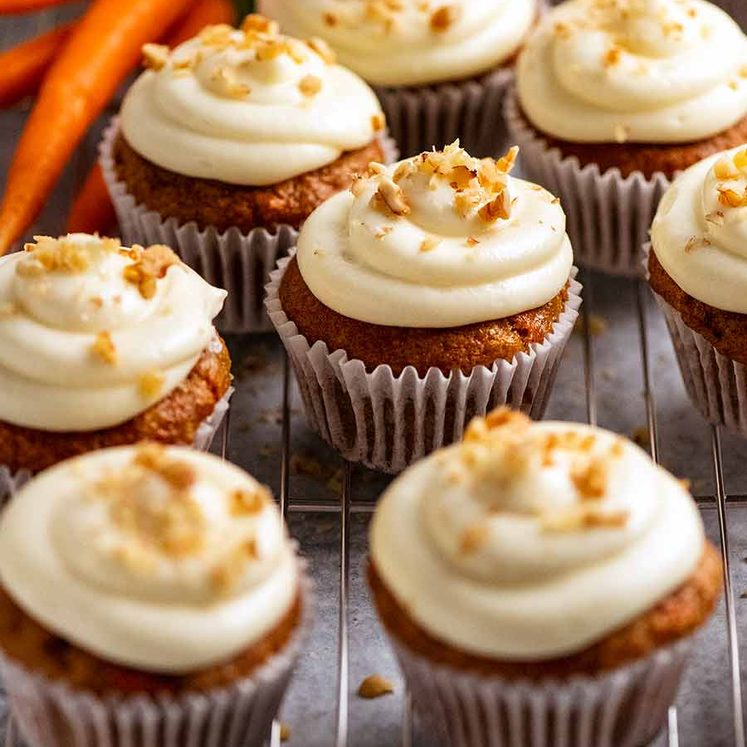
point(614, 373)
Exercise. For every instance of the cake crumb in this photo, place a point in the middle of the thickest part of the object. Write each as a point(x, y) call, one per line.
point(285, 732)
point(598, 325)
point(374, 686)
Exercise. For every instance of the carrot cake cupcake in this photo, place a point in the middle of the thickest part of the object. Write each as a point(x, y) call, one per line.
point(549, 569)
point(147, 590)
point(698, 270)
point(613, 99)
point(440, 68)
point(103, 345)
point(431, 291)
point(225, 145)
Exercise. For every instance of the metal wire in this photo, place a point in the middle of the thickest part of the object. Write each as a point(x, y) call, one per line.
point(343, 664)
point(731, 617)
point(586, 307)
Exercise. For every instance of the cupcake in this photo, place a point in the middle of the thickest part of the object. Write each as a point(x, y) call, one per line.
point(439, 68)
point(540, 582)
point(615, 97)
point(151, 597)
point(431, 291)
point(102, 345)
point(698, 270)
point(224, 147)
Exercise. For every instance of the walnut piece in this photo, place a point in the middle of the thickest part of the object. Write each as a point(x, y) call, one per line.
point(374, 686)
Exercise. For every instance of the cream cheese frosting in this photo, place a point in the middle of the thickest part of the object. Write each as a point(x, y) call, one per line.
point(531, 541)
point(699, 233)
point(438, 240)
point(247, 106)
point(162, 559)
point(411, 42)
point(92, 333)
point(655, 71)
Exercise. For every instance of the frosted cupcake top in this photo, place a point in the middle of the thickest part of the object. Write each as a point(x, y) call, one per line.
point(438, 240)
point(699, 233)
point(93, 333)
point(247, 106)
point(178, 559)
point(531, 541)
point(656, 71)
point(411, 42)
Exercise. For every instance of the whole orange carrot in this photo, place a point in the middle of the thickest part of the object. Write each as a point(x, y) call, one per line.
point(202, 13)
point(23, 67)
point(92, 210)
point(97, 57)
point(28, 6)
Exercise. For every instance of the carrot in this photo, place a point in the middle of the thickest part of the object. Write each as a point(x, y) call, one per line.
point(28, 6)
point(24, 66)
point(98, 56)
point(202, 13)
point(92, 210)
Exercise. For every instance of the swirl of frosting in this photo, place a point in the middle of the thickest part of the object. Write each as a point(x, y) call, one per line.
point(179, 559)
point(411, 42)
point(92, 334)
point(656, 71)
point(533, 541)
point(247, 106)
point(699, 233)
point(438, 240)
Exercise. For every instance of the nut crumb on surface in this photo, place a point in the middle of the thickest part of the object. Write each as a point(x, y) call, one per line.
point(103, 348)
point(374, 686)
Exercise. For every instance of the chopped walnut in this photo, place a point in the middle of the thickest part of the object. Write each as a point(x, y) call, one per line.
point(247, 503)
point(590, 477)
point(621, 133)
point(151, 384)
point(444, 18)
point(583, 518)
point(725, 169)
point(256, 23)
point(59, 255)
point(696, 242)
point(153, 457)
point(429, 243)
point(149, 266)
point(498, 208)
point(330, 19)
point(472, 241)
point(473, 539)
point(732, 198)
point(612, 56)
point(374, 686)
point(391, 194)
point(103, 348)
point(378, 122)
point(155, 56)
point(310, 85)
point(322, 49)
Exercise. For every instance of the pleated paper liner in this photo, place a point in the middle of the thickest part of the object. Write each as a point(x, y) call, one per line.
point(387, 421)
point(423, 117)
point(238, 262)
point(716, 385)
point(53, 714)
point(626, 707)
point(608, 215)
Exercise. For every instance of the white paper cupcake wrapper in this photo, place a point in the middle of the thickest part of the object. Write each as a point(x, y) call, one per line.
point(420, 117)
point(206, 432)
point(52, 714)
point(608, 215)
point(624, 708)
point(387, 421)
point(238, 262)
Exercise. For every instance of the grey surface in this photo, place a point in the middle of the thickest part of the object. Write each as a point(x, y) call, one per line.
point(685, 443)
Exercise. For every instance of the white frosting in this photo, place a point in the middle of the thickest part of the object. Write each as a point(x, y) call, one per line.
point(659, 71)
point(699, 233)
point(52, 320)
point(112, 557)
point(439, 264)
point(411, 42)
point(533, 541)
point(248, 108)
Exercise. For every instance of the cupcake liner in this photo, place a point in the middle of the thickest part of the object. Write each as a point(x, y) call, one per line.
point(238, 262)
point(609, 215)
point(626, 707)
point(387, 421)
point(421, 117)
point(54, 714)
point(11, 482)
